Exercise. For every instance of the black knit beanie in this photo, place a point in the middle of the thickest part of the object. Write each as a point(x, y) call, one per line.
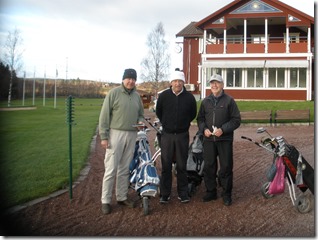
point(130, 73)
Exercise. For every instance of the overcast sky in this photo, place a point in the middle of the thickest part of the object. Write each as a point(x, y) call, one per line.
point(98, 39)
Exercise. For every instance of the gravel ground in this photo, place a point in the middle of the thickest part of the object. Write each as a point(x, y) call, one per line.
point(250, 215)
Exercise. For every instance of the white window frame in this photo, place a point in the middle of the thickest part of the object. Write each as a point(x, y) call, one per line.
point(293, 37)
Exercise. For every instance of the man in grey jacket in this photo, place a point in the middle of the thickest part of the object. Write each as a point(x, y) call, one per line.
point(122, 108)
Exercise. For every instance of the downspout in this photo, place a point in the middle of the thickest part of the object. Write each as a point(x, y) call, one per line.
point(287, 40)
point(200, 80)
point(309, 69)
point(266, 35)
point(204, 42)
point(245, 36)
point(189, 62)
point(224, 44)
point(309, 40)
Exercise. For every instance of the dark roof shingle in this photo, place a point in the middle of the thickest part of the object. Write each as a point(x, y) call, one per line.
point(190, 31)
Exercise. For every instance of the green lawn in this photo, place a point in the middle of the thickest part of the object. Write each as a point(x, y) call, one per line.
point(275, 105)
point(35, 148)
point(35, 145)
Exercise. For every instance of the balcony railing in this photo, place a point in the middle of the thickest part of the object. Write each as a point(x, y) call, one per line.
point(257, 45)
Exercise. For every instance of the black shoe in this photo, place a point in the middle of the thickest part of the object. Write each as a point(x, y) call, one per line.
point(209, 197)
point(227, 201)
point(184, 199)
point(127, 203)
point(164, 199)
point(106, 209)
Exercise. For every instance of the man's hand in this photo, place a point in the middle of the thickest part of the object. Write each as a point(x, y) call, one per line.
point(105, 144)
point(217, 132)
point(142, 125)
point(207, 133)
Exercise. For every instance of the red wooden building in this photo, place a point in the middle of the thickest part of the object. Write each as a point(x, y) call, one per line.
point(264, 49)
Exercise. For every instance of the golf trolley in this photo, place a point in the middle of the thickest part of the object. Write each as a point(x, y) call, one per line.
point(297, 170)
point(143, 174)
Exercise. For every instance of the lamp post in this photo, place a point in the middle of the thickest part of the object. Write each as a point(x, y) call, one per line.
point(56, 75)
point(33, 100)
point(23, 94)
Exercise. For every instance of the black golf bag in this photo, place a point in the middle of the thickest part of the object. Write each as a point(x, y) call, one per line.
point(291, 160)
point(195, 163)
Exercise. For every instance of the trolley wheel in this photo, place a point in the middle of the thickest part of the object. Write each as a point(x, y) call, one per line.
point(145, 205)
point(264, 190)
point(303, 204)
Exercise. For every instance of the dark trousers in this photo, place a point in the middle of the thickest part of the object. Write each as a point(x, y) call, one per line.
point(223, 150)
point(174, 148)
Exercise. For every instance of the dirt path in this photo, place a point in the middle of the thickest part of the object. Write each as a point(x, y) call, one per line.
point(250, 215)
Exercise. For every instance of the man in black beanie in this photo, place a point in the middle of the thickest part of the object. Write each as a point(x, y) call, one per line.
point(130, 73)
point(122, 108)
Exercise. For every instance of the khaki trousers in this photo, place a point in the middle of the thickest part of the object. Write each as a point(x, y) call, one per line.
point(117, 160)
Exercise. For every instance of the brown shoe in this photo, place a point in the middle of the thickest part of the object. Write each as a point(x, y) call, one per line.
point(127, 203)
point(106, 209)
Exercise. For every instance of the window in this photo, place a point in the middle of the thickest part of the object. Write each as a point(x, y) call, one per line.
point(234, 77)
point(255, 6)
point(281, 77)
point(255, 77)
point(234, 39)
point(297, 77)
point(276, 78)
point(210, 72)
point(293, 78)
point(293, 37)
point(259, 77)
point(256, 39)
point(302, 77)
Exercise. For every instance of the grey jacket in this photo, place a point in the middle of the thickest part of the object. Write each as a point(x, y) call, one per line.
point(221, 112)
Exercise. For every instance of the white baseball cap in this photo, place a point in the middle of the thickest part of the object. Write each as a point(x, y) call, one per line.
point(216, 77)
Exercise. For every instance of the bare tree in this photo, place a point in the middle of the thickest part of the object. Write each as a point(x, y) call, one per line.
point(155, 65)
point(13, 56)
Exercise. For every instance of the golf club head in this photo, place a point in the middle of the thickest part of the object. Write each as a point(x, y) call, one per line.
point(260, 130)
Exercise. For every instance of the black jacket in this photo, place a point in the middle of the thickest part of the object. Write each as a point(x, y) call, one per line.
point(221, 112)
point(176, 112)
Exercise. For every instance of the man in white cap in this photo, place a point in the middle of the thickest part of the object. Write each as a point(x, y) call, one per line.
point(217, 119)
point(176, 108)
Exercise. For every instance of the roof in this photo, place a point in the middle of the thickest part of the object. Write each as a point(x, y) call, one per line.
point(190, 31)
point(239, 3)
point(195, 29)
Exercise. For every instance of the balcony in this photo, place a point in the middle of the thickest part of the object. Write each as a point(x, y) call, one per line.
point(275, 45)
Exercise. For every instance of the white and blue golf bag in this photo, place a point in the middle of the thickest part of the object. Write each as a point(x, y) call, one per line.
point(143, 173)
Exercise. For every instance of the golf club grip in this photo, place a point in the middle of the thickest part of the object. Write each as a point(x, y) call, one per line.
point(247, 138)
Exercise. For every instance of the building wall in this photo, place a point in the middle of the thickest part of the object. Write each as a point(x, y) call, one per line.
point(265, 94)
point(234, 49)
point(191, 60)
